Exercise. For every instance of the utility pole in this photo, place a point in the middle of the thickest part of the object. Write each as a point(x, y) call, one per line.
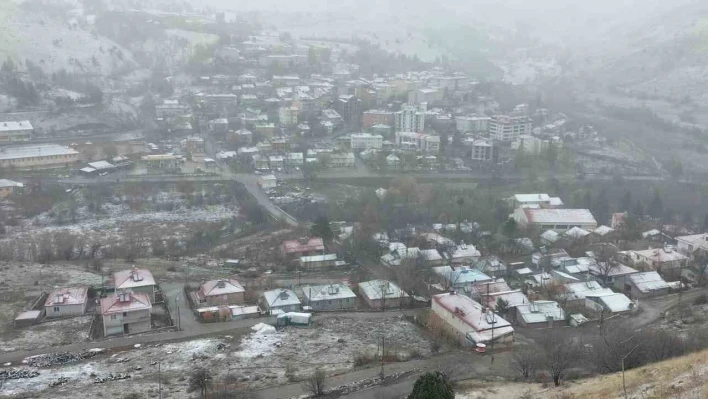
point(159, 380)
point(179, 318)
point(383, 353)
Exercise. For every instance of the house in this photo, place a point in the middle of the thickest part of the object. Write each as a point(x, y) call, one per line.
point(549, 237)
point(464, 254)
point(329, 297)
point(260, 162)
point(513, 298)
point(125, 312)
point(341, 160)
point(221, 292)
point(576, 234)
point(605, 302)
point(295, 159)
point(539, 279)
point(540, 314)
point(276, 162)
point(393, 161)
point(560, 220)
point(469, 322)
point(461, 279)
point(661, 259)
point(603, 232)
point(399, 253)
point(63, 302)
point(268, 182)
point(9, 187)
point(11, 131)
point(483, 289)
point(645, 285)
point(318, 262)
point(576, 292)
point(431, 257)
point(380, 294)
point(38, 156)
point(491, 265)
point(529, 200)
point(137, 281)
point(612, 275)
point(304, 246)
point(281, 300)
point(690, 245)
point(365, 141)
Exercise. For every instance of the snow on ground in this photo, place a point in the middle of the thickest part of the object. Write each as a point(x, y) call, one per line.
point(51, 333)
point(263, 341)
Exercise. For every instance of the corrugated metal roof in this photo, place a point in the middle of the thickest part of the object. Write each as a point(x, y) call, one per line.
point(560, 216)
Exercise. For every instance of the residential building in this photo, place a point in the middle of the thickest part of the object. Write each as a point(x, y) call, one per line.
point(162, 160)
point(576, 292)
point(472, 124)
point(218, 125)
point(284, 60)
point(38, 156)
point(304, 246)
point(469, 322)
point(410, 118)
point(665, 260)
point(287, 80)
point(288, 116)
point(332, 116)
point(221, 292)
point(482, 150)
point(461, 279)
point(418, 141)
point(612, 303)
point(431, 257)
point(268, 182)
point(452, 83)
point(464, 254)
point(171, 110)
point(513, 298)
point(693, 244)
point(535, 201)
point(365, 141)
point(393, 161)
point(329, 297)
point(64, 302)
point(341, 160)
point(530, 144)
point(242, 137)
point(194, 144)
point(9, 187)
point(12, 131)
point(645, 285)
point(276, 162)
point(349, 107)
point(280, 300)
point(318, 262)
point(426, 95)
point(540, 314)
point(375, 117)
point(267, 130)
point(398, 253)
point(139, 281)
point(507, 128)
point(612, 274)
point(491, 265)
point(125, 312)
point(260, 162)
point(294, 159)
point(560, 220)
point(220, 104)
point(380, 294)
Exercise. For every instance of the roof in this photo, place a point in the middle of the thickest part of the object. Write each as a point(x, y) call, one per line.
point(612, 302)
point(522, 198)
point(314, 293)
point(280, 297)
point(462, 275)
point(482, 324)
point(67, 297)
point(375, 289)
point(540, 311)
point(133, 302)
point(366, 136)
point(661, 255)
point(9, 183)
point(648, 281)
point(37, 150)
point(465, 251)
point(512, 297)
point(550, 236)
point(577, 232)
point(10, 126)
point(564, 276)
point(430, 254)
point(29, 315)
point(562, 216)
point(132, 278)
point(220, 287)
point(488, 287)
point(618, 269)
point(318, 258)
point(555, 201)
point(697, 240)
point(98, 165)
point(603, 230)
point(294, 246)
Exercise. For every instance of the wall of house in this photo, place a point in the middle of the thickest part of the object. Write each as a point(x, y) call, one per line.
point(65, 310)
point(49, 161)
point(635, 293)
point(319, 265)
point(285, 308)
point(334, 304)
point(146, 289)
point(389, 303)
point(230, 299)
point(138, 321)
point(454, 327)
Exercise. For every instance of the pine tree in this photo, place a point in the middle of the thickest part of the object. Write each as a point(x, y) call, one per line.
point(432, 386)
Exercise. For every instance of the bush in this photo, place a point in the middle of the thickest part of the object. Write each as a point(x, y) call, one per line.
point(701, 300)
point(363, 359)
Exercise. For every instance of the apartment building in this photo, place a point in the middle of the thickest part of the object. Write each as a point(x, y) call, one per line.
point(508, 128)
point(365, 141)
point(410, 118)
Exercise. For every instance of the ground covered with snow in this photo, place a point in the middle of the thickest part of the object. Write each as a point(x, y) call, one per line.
point(47, 334)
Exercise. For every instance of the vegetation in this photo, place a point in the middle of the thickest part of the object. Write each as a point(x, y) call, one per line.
point(433, 385)
point(316, 383)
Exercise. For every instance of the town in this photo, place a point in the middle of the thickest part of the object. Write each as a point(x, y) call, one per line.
point(270, 216)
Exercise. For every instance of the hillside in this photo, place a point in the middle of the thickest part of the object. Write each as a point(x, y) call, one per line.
point(683, 377)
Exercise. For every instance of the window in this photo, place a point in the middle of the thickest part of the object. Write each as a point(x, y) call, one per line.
point(113, 317)
point(330, 302)
point(125, 314)
point(56, 308)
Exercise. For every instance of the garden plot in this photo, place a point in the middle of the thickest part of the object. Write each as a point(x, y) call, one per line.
point(258, 359)
point(47, 334)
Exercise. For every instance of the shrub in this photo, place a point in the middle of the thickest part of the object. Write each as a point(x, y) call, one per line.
point(701, 299)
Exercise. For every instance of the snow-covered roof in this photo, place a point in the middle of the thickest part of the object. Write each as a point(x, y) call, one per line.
point(577, 232)
point(9, 183)
point(318, 258)
point(661, 255)
point(98, 165)
point(11, 126)
point(560, 216)
point(132, 278)
point(512, 297)
point(532, 198)
point(220, 287)
point(430, 254)
point(120, 302)
point(67, 296)
point(550, 236)
point(375, 289)
point(540, 311)
point(483, 325)
point(294, 246)
point(465, 251)
point(325, 292)
point(37, 150)
point(585, 288)
point(281, 297)
point(461, 276)
point(648, 281)
point(613, 302)
point(603, 230)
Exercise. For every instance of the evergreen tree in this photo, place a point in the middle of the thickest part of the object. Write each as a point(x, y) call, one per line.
point(322, 229)
point(639, 210)
point(432, 386)
point(656, 207)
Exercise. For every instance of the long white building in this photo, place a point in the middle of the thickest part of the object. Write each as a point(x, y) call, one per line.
point(15, 131)
point(366, 141)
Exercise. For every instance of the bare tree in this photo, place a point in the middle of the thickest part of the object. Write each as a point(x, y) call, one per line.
point(200, 380)
point(315, 383)
point(560, 354)
point(526, 362)
point(605, 255)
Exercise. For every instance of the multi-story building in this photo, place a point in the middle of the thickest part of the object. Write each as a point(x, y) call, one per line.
point(418, 141)
point(410, 118)
point(482, 150)
point(449, 82)
point(288, 116)
point(375, 117)
point(38, 156)
point(473, 124)
point(508, 128)
point(349, 107)
point(15, 131)
point(220, 104)
point(365, 141)
point(426, 95)
point(126, 312)
point(331, 116)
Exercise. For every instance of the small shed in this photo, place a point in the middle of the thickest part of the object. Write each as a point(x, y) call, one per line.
point(28, 318)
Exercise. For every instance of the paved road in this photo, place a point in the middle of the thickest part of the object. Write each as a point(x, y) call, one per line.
point(179, 307)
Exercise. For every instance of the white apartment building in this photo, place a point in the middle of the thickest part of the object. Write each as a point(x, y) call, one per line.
point(410, 118)
point(482, 150)
point(288, 116)
point(508, 128)
point(418, 141)
point(472, 124)
point(365, 141)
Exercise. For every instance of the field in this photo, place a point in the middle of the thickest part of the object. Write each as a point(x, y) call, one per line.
point(257, 359)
